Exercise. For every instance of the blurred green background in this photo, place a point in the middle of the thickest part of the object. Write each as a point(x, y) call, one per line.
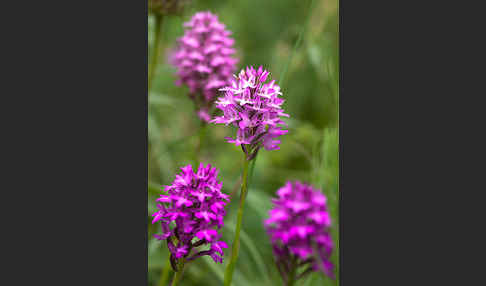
point(265, 33)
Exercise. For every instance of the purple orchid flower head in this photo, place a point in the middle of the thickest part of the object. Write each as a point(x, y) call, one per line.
point(254, 107)
point(203, 59)
point(195, 205)
point(298, 227)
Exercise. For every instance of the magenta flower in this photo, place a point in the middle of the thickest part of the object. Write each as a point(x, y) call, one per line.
point(196, 205)
point(298, 227)
point(254, 107)
point(203, 60)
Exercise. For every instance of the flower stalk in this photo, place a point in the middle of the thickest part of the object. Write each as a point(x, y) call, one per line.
point(165, 273)
point(178, 274)
point(254, 107)
point(228, 275)
point(293, 271)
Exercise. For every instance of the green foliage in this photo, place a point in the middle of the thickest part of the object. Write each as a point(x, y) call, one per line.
point(266, 33)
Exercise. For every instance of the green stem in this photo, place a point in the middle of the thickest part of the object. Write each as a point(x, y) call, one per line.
point(252, 167)
point(293, 272)
point(228, 275)
point(291, 279)
point(165, 273)
point(155, 48)
point(178, 274)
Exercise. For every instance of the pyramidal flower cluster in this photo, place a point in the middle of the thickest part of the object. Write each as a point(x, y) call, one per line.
point(254, 107)
point(204, 61)
point(196, 204)
point(299, 229)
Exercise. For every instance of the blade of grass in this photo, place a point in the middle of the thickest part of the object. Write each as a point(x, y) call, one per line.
point(283, 74)
point(260, 202)
point(155, 49)
point(239, 278)
point(248, 242)
point(330, 167)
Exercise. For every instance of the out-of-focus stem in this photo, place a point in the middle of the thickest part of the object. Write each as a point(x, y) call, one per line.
point(155, 48)
point(293, 272)
point(178, 274)
point(165, 273)
point(228, 275)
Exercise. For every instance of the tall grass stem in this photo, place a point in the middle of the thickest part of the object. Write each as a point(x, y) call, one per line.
point(283, 74)
point(159, 19)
